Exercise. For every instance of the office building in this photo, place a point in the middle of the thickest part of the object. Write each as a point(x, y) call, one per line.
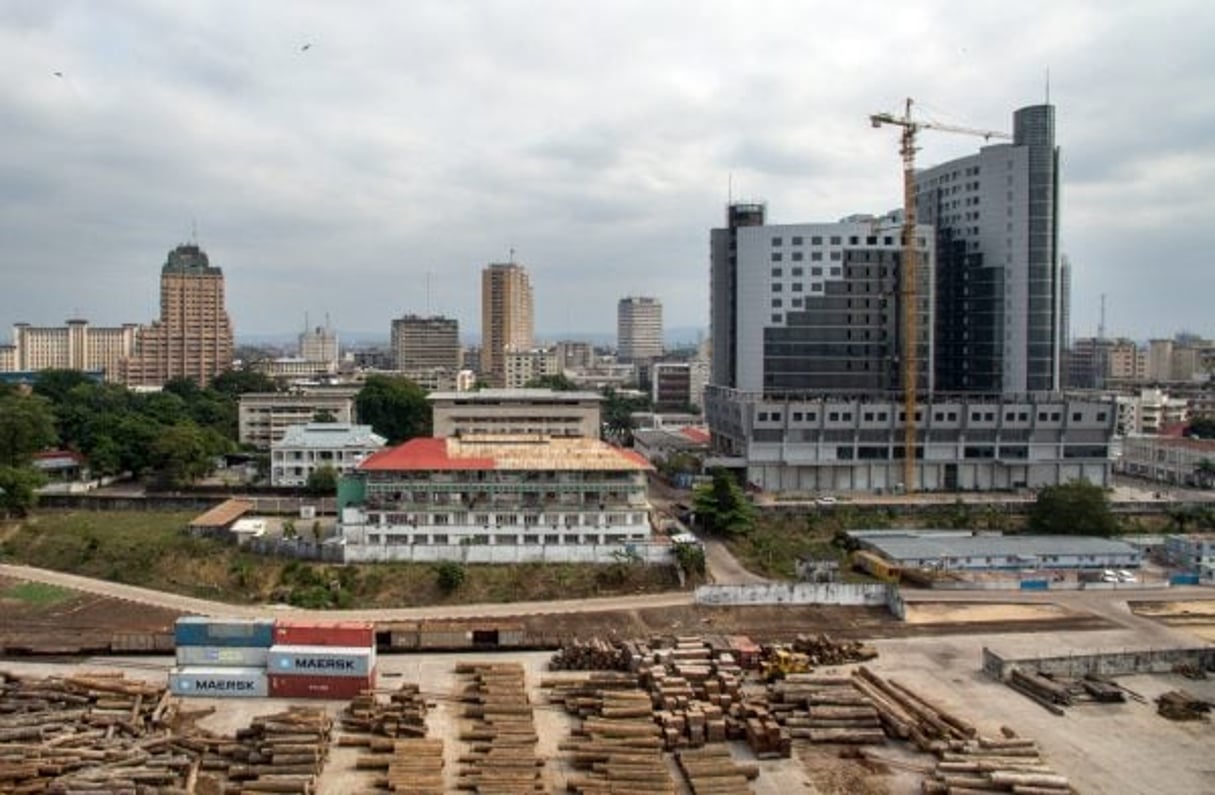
point(506, 317)
point(638, 329)
point(573, 355)
point(303, 449)
point(999, 293)
point(676, 385)
point(521, 367)
point(193, 337)
point(813, 306)
point(1175, 461)
point(320, 345)
point(426, 343)
point(73, 346)
point(263, 417)
point(541, 412)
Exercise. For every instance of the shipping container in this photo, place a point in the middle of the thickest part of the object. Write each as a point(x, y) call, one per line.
point(219, 682)
point(205, 631)
point(356, 634)
point(307, 686)
point(321, 661)
point(237, 656)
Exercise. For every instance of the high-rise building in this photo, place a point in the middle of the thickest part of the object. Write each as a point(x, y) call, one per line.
point(193, 337)
point(999, 293)
point(638, 329)
point(320, 345)
point(74, 346)
point(426, 343)
point(813, 306)
point(506, 317)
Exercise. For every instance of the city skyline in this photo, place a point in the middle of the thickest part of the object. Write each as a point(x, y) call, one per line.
point(343, 177)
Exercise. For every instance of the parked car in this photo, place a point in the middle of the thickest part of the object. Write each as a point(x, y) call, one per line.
point(1126, 576)
point(826, 500)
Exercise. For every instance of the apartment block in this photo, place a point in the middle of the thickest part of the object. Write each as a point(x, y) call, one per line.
point(506, 317)
point(540, 412)
point(522, 367)
point(303, 449)
point(76, 345)
point(638, 329)
point(264, 417)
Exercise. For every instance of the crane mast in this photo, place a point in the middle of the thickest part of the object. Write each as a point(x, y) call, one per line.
point(909, 275)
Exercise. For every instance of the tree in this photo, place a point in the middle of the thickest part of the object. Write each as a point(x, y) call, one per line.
point(324, 415)
point(722, 507)
point(27, 425)
point(1076, 508)
point(322, 480)
point(19, 489)
point(618, 414)
point(181, 454)
point(395, 408)
point(1201, 428)
point(54, 385)
point(1205, 471)
point(449, 575)
point(234, 383)
point(557, 383)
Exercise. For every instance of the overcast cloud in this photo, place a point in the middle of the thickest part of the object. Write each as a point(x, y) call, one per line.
point(597, 139)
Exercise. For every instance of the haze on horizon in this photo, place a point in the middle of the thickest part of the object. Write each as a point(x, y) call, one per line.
point(335, 158)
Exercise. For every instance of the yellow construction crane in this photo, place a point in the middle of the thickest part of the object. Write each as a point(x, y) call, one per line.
point(908, 276)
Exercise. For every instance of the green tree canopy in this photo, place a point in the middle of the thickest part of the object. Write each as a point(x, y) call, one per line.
point(233, 383)
point(395, 408)
point(183, 453)
point(322, 481)
point(722, 507)
point(557, 383)
point(27, 425)
point(1078, 508)
point(54, 385)
point(18, 489)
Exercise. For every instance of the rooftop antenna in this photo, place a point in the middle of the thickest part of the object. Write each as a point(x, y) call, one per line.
point(1101, 324)
point(194, 231)
point(328, 325)
point(512, 255)
point(729, 188)
point(1048, 85)
point(306, 326)
point(428, 312)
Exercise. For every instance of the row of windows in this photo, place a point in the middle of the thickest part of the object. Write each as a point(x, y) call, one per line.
point(937, 416)
point(836, 240)
point(795, 272)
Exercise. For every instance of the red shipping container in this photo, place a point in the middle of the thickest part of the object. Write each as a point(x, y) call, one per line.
point(333, 687)
point(353, 634)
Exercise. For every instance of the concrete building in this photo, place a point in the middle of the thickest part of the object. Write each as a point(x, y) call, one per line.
point(1184, 359)
point(320, 344)
point(572, 355)
point(841, 443)
point(303, 449)
point(948, 550)
point(522, 367)
point(1158, 411)
point(1172, 460)
point(999, 307)
point(506, 317)
point(510, 491)
point(541, 412)
point(638, 329)
point(292, 367)
point(674, 385)
point(813, 307)
point(193, 337)
point(263, 417)
point(426, 343)
point(1193, 552)
point(73, 346)
point(1103, 362)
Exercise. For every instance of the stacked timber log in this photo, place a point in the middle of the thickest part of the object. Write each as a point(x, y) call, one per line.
point(500, 731)
point(617, 748)
point(404, 714)
point(593, 655)
point(412, 763)
point(96, 732)
point(826, 709)
point(1043, 690)
point(906, 715)
point(1180, 705)
point(693, 692)
point(712, 771)
point(825, 650)
point(283, 752)
point(985, 764)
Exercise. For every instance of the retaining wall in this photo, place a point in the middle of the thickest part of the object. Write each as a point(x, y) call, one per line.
point(802, 593)
point(1112, 663)
point(658, 554)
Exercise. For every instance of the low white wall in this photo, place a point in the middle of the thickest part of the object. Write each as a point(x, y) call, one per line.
point(802, 593)
point(657, 554)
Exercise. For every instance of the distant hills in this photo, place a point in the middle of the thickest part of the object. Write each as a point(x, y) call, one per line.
point(676, 337)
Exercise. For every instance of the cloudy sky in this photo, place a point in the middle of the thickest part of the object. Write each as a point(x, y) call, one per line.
point(413, 142)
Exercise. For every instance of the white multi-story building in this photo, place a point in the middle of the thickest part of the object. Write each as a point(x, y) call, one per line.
point(638, 329)
point(320, 345)
point(263, 417)
point(543, 412)
point(306, 448)
point(1172, 460)
point(522, 367)
point(74, 346)
point(583, 497)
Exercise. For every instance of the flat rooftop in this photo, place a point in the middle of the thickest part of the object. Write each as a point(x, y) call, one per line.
point(937, 547)
point(515, 396)
point(526, 452)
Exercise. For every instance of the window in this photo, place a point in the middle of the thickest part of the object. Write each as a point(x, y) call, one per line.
point(853, 240)
point(797, 271)
point(835, 256)
point(868, 416)
point(835, 271)
point(835, 240)
point(776, 318)
point(1100, 416)
point(762, 416)
point(816, 256)
point(871, 240)
point(1076, 416)
point(797, 240)
point(776, 256)
point(816, 240)
point(777, 287)
point(797, 256)
point(777, 273)
point(776, 241)
point(816, 271)
point(776, 303)
point(833, 416)
point(796, 287)
point(797, 416)
point(817, 287)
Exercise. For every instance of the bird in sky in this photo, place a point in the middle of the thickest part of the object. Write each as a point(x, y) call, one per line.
point(58, 74)
point(306, 47)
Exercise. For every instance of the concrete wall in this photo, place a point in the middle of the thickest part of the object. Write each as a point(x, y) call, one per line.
point(1109, 663)
point(657, 554)
point(802, 593)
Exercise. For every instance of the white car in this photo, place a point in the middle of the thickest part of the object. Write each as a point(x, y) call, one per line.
point(1126, 576)
point(827, 500)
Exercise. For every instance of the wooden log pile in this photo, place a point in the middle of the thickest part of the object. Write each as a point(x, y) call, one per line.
point(713, 771)
point(283, 752)
point(826, 709)
point(825, 650)
point(95, 733)
point(1043, 690)
point(1180, 705)
point(904, 714)
point(403, 715)
point(595, 654)
point(500, 730)
point(618, 747)
point(986, 764)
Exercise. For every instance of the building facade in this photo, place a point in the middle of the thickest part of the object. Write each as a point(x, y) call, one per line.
point(426, 343)
point(506, 317)
point(540, 412)
point(263, 417)
point(320, 344)
point(193, 337)
point(303, 449)
point(638, 329)
point(73, 346)
point(674, 385)
point(798, 307)
point(1171, 460)
point(494, 491)
point(522, 367)
point(999, 314)
point(842, 443)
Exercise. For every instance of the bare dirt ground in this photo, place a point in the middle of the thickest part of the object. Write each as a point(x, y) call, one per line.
point(1195, 616)
point(942, 612)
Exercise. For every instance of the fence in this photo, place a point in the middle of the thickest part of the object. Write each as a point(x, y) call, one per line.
point(1112, 663)
point(802, 593)
point(654, 554)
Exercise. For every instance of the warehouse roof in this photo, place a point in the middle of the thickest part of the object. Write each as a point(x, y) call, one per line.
point(508, 452)
point(936, 547)
point(515, 396)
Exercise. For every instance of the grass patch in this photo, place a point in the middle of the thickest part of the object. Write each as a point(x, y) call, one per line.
point(36, 593)
point(153, 550)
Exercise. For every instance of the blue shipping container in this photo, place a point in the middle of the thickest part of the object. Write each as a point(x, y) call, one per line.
point(1035, 585)
point(219, 682)
point(1183, 579)
point(321, 661)
point(204, 631)
point(234, 656)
